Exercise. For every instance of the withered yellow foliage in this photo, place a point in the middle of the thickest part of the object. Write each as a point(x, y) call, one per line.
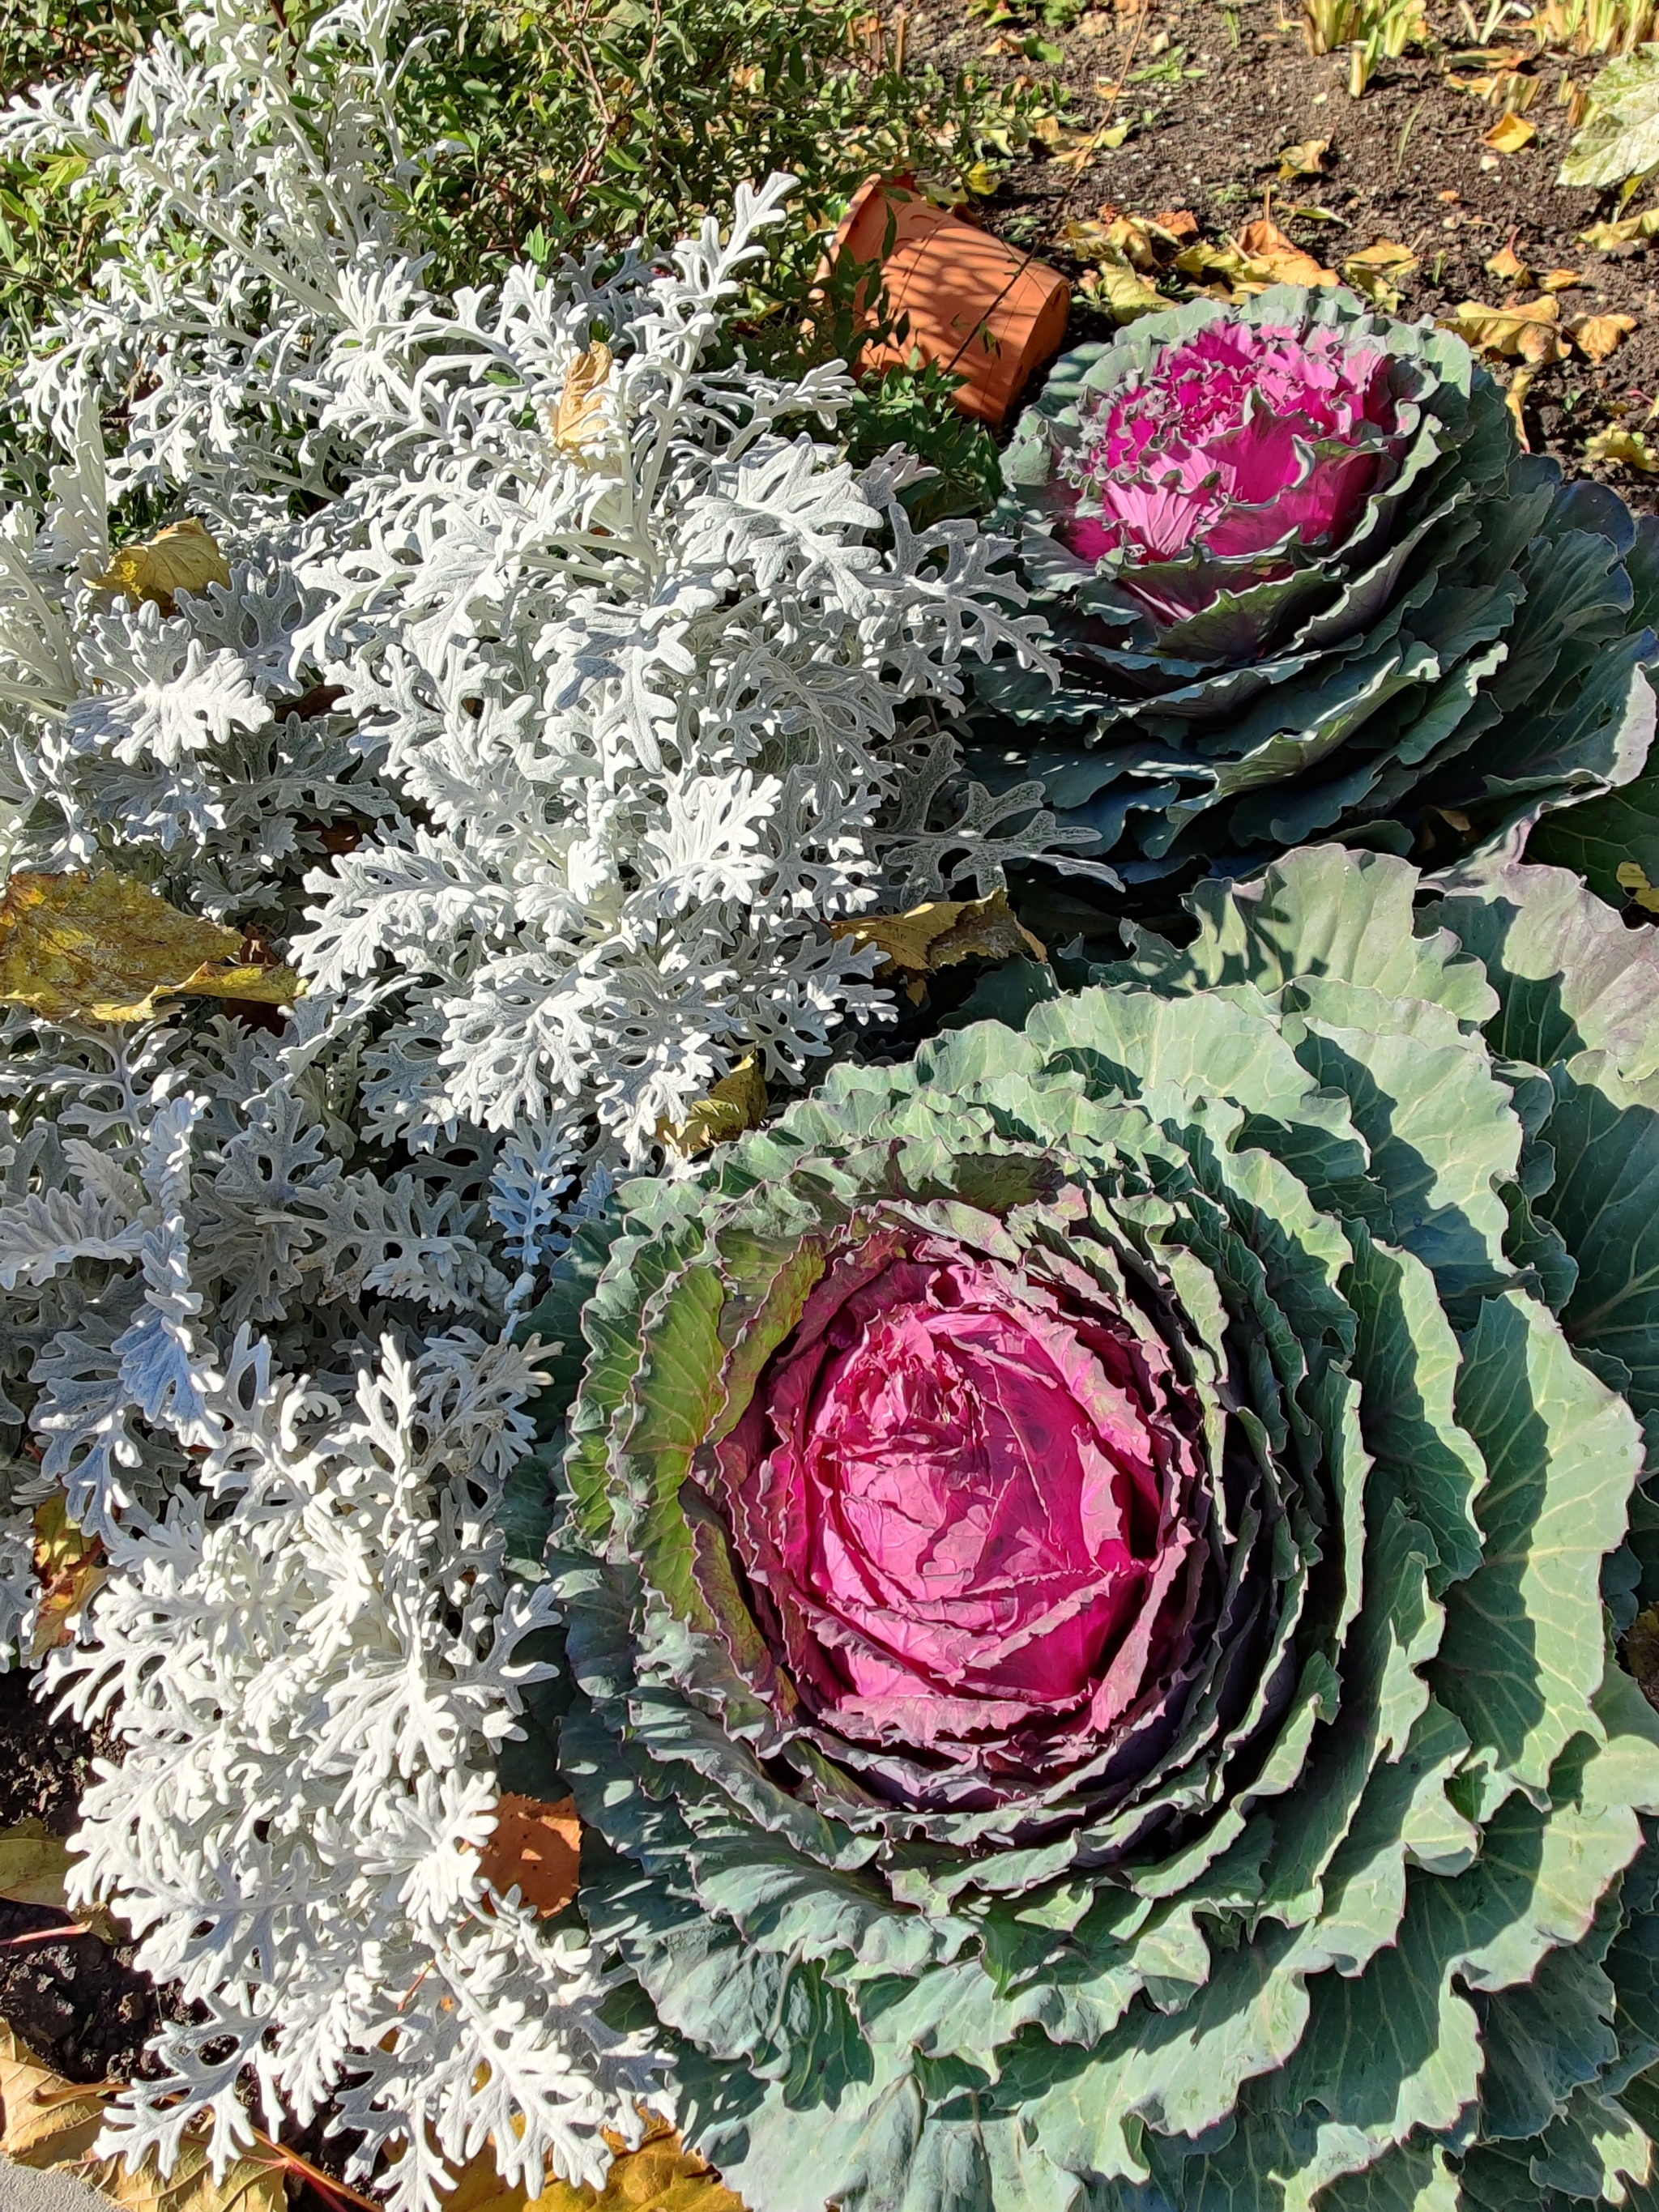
point(183, 557)
point(100, 947)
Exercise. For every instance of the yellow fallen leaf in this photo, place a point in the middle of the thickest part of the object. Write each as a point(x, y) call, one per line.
point(1558, 280)
point(1376, 270)
point(1632, 877)
point(1279, 256)
point(1511, 133)
point(939, 934)
point(661, 2176)
point(1516, 399)
point(1622, 448)
point(102, 948)
point(1387, 253)
point(738, 1102)
point(1305, 159)
point(33, 1865)
point(70, 1566)
point(1122, 294)
point(1598, 337)
point(1509, 268)
point(183, 557)
point(52, 2122)
point(580, 415)
point(1604, 236)
point(1524, 333)
point(535, 1848)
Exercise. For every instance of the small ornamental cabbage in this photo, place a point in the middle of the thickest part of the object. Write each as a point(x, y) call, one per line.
point(1302, 579)
point(1093, 1562)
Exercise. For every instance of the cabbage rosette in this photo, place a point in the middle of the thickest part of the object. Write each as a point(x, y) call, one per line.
point(1302, 579)
point(1093, 1562)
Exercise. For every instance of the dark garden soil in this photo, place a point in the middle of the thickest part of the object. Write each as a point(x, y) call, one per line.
point(1215, 92)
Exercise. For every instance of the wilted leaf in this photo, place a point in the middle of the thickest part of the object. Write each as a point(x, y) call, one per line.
point(1305, 159)
point(1375, 270)
point(580, 414)
point(1509, 268)
point(69, 1565)
point(535, 1848)
point(738, 1102)
point(1515, 399)
point(1511, 133)
point(1123, 293)
point(1604, 236)
point(1178, 223)
point(1279, 256)
point(939, 934)
point(1598, 337)
point(1560, 280)
point(33, 1865)
point(52, 2122)
point(1642, 1641)
point(1627, 449)
point(661, 2176)
point(183, 557)
point(1632, 877)
point(103, 948)
point(1523, 333)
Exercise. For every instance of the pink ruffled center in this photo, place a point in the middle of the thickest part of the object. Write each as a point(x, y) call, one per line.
point(1209, 448)
point(968, 1503)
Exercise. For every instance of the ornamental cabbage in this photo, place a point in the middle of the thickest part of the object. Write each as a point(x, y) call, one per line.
point(1302, 579)
point(1092, 1560)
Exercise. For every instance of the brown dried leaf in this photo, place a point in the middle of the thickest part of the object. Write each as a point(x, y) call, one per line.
point(1305, 159)
point(69, 1565)
point(183, 557)
point(1517, 332)
point(535, 1848)
point(1599, 336)
point(52, 2122)
point(1280, 258)
point(1509, 268)
point(1515, 399)
point(738, 1102)
point(1178, 223)
point(103, 948)
point(1511, 133)
point(941, 933)
point(580, 415)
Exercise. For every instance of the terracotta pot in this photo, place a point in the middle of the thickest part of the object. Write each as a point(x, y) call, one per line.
point(978, 307)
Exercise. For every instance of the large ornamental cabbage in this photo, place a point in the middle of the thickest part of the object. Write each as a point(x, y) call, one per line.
point(1093, 1563)
point(1304, 581)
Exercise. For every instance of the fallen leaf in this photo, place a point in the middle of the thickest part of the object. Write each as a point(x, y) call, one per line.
point(535, 1848)
point(103, 948)
point(1387, 253)
point(1517, 332)
point(738, 1102)
point(1627, 449)
point(1306, 160)
point(183, 557)
point(938, 935)
point(52, 2122)
point(1560, 280)
point(1599, 336)
point(33, 1865)
point(1509, 268)
point(1265, 242)
point(1122, 294)
point(70, 1566)
point(1632, 877)
point(1133, 241)
point(1511, 133)
point(1180, 223)
point(1515, 399)
point(661, 2176)
point(1604, 236)
point(580, 415)
point(1642, 1638)
point(982, 179)
point(1375, 270)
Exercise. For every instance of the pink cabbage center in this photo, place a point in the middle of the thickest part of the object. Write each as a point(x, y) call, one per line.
point(1209, 449)
point(969, 1503)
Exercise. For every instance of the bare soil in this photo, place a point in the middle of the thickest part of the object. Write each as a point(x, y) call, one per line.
point(1226, 87)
